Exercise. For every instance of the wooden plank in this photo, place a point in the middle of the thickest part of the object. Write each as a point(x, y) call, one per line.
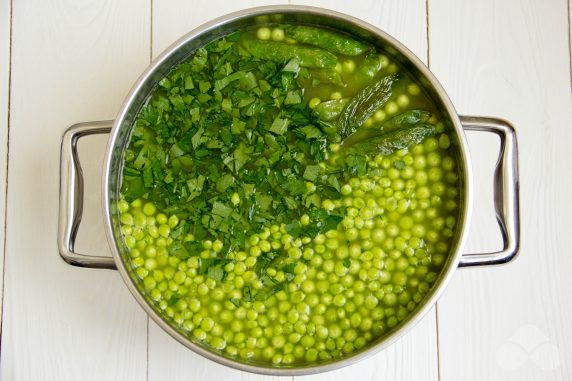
point(5, 23)
point(405, 21)
point(169, 360)
point(70, 63)
point(510, 59)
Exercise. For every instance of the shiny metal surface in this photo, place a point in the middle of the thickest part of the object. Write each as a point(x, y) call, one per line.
point(70, 212)
point(71, 196)
point(228, 24)
point(506, 191)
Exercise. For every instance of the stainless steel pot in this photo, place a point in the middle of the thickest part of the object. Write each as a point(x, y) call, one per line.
point(506, 184)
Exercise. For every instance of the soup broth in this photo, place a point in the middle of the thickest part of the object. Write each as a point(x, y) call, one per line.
point(289, 195)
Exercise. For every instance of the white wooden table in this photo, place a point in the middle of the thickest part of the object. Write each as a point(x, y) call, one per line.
point(63, 62)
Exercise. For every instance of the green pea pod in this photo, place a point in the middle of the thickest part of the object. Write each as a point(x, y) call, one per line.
point(282, 52)
point(370, 66)
point(392, 141)
point(364, 104)
point(407, 119)
point(328, 40)
point(327, 76)
point(329, 110)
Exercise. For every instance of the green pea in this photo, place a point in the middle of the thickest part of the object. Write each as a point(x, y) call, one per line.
point(268, 353)
point(140, 219)
point(277, 34)
point(264, 33)
point(199, 334)
point(307, 341)
point(126, 219)
point(278, 341)
point(350, 335)
point(389, 299)
point(444, 141)
point(339, 300)
point(431, 144)
point(311, 355)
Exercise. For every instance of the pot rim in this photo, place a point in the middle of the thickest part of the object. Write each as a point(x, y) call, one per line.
point(446, 273)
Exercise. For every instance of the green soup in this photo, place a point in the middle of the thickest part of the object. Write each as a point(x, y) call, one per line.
point(289, 195)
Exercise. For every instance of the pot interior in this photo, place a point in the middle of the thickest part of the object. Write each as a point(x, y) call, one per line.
point(183, 49)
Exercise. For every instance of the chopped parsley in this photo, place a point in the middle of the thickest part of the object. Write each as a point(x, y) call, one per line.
point(222, 123)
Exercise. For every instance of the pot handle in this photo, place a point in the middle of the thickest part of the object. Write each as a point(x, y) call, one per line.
point(506, 191)
point(71, 196)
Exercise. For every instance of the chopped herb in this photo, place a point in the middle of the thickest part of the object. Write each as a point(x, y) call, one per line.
point(177, 249)
point(216, 272)
point(312, 172)
point(279, 126)
point(321, 222)
point(235, 301)
point(246, 294)
point(294, 186)
point(173, 299)
point(310, 132)
point(264, 294)
point(264, 261)
point(399, 164)
point(294, 228)
point(207, 264)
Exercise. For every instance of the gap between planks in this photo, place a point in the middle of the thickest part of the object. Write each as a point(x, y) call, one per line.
point(5, 216)
point(569, 40)
point(438, 359)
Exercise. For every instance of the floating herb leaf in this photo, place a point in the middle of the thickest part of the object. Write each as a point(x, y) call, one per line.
point(364, 104)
